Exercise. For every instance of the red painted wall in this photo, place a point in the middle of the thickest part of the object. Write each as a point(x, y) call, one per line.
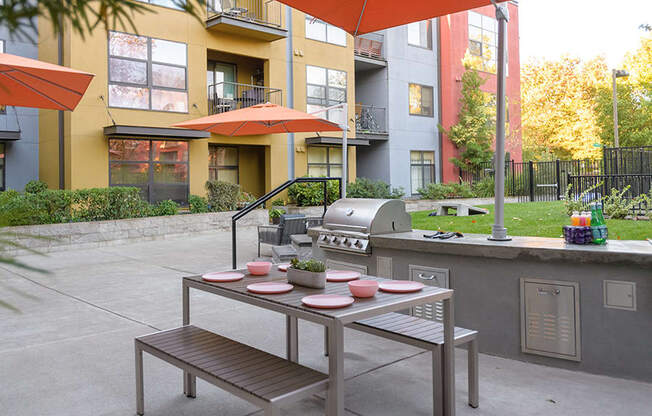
point(454, 40)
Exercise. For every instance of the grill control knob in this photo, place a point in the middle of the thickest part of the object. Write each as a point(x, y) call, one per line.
point(358, 244)
point(346, 242)
point(323, 237)
point(335, 240)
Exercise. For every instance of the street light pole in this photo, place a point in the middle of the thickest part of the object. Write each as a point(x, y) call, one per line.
point(616, 73)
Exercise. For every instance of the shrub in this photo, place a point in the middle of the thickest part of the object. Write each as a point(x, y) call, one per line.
point(244, 199)
point(34, 187)
point(366, 188)
point(275, 213)
point(618, 207)
point(222, 196)
point(278, 202)
point(484, 188)
point(198, 204)
point(446, 191)
point(579, 202)
point(166, 207)
point(308, 194)
point(113, 203)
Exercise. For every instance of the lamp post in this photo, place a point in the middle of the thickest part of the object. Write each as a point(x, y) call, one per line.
point(616, 73)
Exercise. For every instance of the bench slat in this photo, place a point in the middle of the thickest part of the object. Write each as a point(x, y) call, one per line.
point(253, 371)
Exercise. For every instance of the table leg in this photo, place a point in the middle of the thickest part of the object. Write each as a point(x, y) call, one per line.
point(292, 338)
point(449, 358)
point(335, 398)
point(140, 401)
point(189, 381)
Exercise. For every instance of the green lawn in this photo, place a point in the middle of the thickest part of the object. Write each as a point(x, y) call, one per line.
point(542, 219)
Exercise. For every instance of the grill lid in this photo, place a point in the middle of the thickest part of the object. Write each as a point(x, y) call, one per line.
point(369, 216)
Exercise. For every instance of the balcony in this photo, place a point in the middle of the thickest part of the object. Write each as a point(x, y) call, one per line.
point(258, 19)
point(369, 51)
point(371, 122)
point(229, 96)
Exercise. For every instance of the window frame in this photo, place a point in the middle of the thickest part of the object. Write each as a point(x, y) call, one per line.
point(217, 168)
point(429, 34)
point(309, 19)
point(328, 163)
point(326, 101)
point(149, 62)
point(422, 167)
point(494, 34)
point(150, 163)
point(432, 104)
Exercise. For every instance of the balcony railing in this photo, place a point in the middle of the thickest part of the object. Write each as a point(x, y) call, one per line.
point(370, 119)
point(266, 12)
point(370, 45)
point(229, 96)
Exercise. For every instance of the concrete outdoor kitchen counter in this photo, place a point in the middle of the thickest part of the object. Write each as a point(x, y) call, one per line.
point(477, 245)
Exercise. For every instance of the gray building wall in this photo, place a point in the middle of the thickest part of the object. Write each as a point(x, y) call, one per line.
point(405, 64)
point(21, 157)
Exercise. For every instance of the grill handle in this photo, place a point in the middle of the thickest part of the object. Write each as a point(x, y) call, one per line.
point(426, 277)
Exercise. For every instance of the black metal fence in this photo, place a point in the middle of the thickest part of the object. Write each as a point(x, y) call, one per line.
point(548, 180)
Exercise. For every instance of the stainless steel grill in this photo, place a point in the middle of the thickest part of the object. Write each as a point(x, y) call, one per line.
point(348, 223)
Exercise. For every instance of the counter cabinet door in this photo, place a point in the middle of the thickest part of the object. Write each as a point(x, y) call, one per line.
point(430, 276)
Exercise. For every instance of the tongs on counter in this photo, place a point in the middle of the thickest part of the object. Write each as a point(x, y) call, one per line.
point(443, 235)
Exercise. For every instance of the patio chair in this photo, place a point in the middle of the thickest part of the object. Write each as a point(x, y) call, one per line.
point(279, 235)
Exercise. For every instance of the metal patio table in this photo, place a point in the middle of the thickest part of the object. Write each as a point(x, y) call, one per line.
point(334, 320)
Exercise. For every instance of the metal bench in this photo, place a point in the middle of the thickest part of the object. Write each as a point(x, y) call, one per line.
point(263, 379)
point(429, 335)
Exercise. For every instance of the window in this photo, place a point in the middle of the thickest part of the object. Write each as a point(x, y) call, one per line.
point(422, 169)
point(483, 42)
point(318, 30)
point(158, 167)
point(420, 34)
point(2, 166)
point(421, 100)
point(223, 163)
point(147, 73)
point(324, 161)
point(325, 88)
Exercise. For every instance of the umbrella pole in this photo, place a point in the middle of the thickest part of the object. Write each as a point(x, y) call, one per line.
point(345, 150)
point(498, 230)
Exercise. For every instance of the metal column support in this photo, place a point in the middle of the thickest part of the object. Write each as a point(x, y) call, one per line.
point(289, 82)
point(345, 150)
point(292, 338)
point(140, 400)
point(335, 369)
point(498, 230)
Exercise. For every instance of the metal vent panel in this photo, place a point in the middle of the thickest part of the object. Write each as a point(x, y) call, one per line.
point(550, 318)
point(430, 276)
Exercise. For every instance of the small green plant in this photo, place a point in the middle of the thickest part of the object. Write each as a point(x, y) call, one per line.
point(167, 207)
point(245, 198)
point(34, 187)
point(311, 265)
point(278, 202)
point(366, 188)
point(446, 191)
point(582, 201)
point(616, 206)
point(275, 213)
point(198, 204)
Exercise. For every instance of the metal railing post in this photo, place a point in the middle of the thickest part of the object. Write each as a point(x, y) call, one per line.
point(233, 244)
point(325, 195)
point(558, 173)
point(531, 169)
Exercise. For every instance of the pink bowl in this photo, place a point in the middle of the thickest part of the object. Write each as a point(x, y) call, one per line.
point(363, 288)
point(259, 268)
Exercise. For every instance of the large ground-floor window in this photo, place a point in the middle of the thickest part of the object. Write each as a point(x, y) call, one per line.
point(2, 166)
point(422, 169)
point(223, 163)
point(158, 167)
point(325, 161)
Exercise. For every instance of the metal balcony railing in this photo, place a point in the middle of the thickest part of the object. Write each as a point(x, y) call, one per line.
point(266, 12)
point(370, 45)
point(370, 119)
point(229, 96)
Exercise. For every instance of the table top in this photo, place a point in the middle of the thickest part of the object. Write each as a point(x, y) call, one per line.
point(382, 302)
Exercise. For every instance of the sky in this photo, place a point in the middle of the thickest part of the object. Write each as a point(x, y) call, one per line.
point(583, 28)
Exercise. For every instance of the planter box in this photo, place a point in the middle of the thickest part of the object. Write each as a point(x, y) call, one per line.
point(306, 278)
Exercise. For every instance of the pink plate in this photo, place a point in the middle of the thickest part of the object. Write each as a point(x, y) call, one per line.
point(222, 277)
point(268, 288)
point(327, 301)
point(341, 275)
point(283, 267)
point(401, 286)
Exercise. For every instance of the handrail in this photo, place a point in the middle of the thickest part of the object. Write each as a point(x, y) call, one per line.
point(250, 207)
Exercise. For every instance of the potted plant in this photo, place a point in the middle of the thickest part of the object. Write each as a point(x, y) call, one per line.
point(275, 215)
point(308, 273)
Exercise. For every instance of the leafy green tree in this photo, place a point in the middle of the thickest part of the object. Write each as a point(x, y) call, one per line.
point(473, 134)
point(83, 16)
point(634, 101)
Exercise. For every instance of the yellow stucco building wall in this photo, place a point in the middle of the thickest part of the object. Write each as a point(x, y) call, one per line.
point(262, 159)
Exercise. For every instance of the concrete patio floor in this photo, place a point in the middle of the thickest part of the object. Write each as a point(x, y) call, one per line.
point(67, 345)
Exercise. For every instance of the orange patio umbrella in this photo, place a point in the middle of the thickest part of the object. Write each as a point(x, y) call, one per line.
point(260, 119)
point(26, 82)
